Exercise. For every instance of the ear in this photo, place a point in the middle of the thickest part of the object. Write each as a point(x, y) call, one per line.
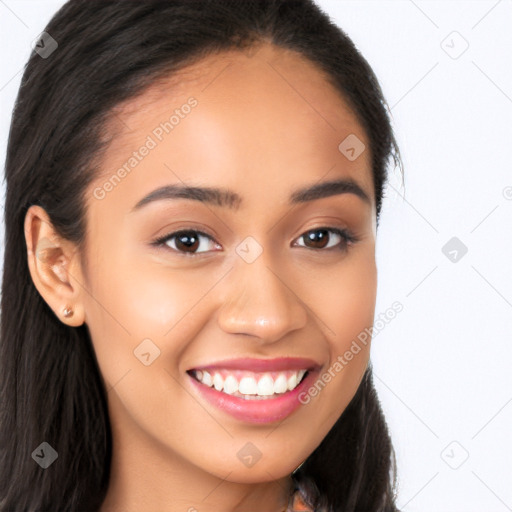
point(54, 266)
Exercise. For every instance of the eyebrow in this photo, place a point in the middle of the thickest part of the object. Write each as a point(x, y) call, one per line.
point(229, 199)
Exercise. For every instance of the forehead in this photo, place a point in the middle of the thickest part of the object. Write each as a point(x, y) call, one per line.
point(269, 116)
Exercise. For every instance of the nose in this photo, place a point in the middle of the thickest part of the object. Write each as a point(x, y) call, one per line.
point(261, 302)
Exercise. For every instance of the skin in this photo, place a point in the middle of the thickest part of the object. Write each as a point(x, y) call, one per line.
point(265, 125)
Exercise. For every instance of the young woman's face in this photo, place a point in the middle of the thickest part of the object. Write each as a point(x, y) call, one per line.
point(260, 274)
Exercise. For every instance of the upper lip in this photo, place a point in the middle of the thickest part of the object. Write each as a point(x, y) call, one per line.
point(262, 365)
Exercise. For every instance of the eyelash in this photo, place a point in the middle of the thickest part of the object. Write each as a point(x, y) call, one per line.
point(348, 239)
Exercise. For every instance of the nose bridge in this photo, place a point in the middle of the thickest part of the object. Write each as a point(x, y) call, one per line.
point(259, 301)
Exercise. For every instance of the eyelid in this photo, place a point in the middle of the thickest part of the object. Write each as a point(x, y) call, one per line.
point(348, 239)
point(161, 240)
point(348, 236)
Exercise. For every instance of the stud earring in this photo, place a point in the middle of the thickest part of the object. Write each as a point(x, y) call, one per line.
point(67, 312)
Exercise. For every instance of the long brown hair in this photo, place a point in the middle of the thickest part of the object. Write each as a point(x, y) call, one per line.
point(50, 383)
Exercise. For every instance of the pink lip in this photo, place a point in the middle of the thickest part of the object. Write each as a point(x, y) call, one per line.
point(256, 411)
point(262, 365)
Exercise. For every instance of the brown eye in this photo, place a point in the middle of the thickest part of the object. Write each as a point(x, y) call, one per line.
point(188, 241)
point(320, 238)
point(185, 241)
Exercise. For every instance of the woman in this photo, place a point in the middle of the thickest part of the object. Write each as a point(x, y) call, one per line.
point(193, 194)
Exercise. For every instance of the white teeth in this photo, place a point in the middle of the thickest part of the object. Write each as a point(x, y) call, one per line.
point(218, 382)
point(207, 379)
point(248, 386)
point(266, 386)
point(230, 385)
point(280, 384)
point(255, 385)
point(292, 381)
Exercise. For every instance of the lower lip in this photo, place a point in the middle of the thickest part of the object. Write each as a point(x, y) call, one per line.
point(257, 410)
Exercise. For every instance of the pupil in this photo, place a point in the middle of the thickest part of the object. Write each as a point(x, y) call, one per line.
point(317, 240)
point(188, 240)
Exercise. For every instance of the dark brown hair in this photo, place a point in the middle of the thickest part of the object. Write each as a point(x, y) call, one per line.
point(50, 383)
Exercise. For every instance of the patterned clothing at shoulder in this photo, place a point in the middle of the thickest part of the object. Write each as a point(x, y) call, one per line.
point(298, 503)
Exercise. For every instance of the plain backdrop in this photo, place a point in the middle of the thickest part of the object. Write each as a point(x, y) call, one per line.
point(442, 365)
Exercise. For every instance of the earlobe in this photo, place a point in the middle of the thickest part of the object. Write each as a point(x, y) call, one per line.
point(68, 311)
point(50, 261)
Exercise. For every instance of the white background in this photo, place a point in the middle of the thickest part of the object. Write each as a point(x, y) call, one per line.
point(442, 366)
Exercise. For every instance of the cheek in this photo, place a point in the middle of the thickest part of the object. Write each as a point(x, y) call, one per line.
point(133, 301)
point(355, 309)
point(343, 298)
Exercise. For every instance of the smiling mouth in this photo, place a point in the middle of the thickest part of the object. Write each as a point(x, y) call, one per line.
point(250, 385)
